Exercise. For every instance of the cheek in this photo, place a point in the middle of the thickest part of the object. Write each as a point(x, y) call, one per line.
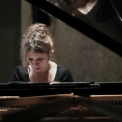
point(27, 60)
point(43, 63)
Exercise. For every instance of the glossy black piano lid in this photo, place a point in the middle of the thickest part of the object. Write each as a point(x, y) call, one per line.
point(107, 31)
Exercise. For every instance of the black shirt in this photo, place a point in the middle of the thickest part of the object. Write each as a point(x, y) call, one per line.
point(62, 74)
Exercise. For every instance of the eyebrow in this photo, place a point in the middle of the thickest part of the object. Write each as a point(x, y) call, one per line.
point(37, 58)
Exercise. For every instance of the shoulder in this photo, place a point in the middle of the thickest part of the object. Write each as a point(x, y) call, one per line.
point(19, 74)
point(20, 69)
point(62, 70)
point(63, 74)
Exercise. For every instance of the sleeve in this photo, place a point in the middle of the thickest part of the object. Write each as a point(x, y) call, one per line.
point(67, 77)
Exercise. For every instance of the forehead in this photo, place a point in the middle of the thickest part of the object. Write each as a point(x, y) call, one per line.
point(32, 54)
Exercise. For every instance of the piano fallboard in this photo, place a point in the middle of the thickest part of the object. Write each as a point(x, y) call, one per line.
point(79, 88)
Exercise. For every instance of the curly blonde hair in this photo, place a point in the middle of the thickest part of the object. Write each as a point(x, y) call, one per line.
point(37, 38)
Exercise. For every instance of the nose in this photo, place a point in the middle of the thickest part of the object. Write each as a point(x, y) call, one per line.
point(35, 63)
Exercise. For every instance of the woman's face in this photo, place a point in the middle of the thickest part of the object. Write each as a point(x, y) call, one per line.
point(38, 61)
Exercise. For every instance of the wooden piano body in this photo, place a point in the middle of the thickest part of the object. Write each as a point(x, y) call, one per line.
point(63, 102)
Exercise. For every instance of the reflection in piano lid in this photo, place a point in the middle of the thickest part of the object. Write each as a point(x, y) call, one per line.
point(102, 23)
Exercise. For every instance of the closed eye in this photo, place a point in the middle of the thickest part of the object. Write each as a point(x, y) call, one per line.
point(40, 58)
point(30, 59)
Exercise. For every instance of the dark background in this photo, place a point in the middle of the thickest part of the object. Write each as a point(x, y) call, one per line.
point(10, 26)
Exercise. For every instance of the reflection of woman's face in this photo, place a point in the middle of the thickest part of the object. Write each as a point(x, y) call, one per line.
point(77, 3)
point(38, 61)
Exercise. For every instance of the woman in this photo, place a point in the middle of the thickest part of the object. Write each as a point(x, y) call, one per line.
point(36, 51)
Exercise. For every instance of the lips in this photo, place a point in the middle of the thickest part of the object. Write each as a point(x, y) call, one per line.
point(37, 68)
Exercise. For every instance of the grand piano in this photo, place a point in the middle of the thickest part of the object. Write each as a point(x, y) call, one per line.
point(77, 101)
